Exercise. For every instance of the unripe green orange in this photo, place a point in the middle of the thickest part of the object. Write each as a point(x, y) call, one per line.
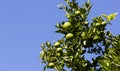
point(104, 23)
point(66, 25)
point(58, 54)
point(51, 65)
point(77, 12)
point(56, 44)
point(69, 35)
point(59, 49)
point(97, 24)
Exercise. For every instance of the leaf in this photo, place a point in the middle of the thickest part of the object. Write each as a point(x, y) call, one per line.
point(83, 51)
point(60, 6)
point(102, 63)
point(105, 16)
point(45, 68)
point(48, 44)
point(85, 43)
point(61, 31)
point(87, 5)
point(110, 17)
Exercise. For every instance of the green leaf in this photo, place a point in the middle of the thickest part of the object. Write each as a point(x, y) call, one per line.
point(61, 31)
point(60, 6)
point(83, 52)
point(110, 17)
point(45, 68)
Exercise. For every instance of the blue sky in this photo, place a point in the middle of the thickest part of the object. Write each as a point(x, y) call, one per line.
point(25, 24)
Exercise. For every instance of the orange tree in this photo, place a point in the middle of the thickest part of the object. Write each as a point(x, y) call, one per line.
point(80, 37)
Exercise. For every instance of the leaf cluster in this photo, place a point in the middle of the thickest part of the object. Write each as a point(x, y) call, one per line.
point(80, 37)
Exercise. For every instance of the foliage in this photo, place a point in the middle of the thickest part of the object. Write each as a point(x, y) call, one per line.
point(111, 59)
point(80, 37)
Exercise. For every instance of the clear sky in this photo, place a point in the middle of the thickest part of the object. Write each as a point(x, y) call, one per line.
point(25, 24)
